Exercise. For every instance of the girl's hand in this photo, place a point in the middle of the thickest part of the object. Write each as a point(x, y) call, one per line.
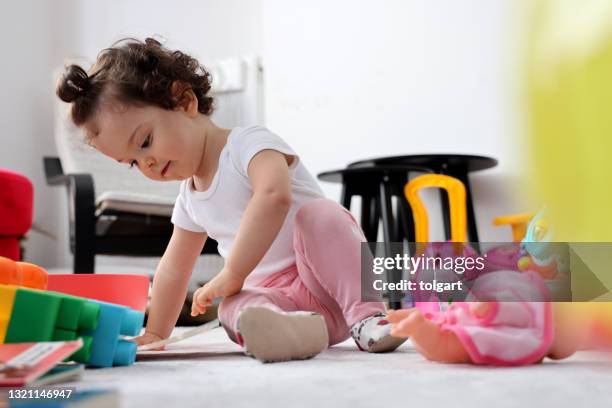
point(224, 284)
point(147, 338)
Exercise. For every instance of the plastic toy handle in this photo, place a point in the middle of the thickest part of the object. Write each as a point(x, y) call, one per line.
point(518, 223)
point(456, 202)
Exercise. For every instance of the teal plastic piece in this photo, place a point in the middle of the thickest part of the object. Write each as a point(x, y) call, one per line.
point(107, 348)
point(125, 354)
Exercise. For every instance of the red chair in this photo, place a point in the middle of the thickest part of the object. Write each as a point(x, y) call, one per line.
point(16, 207)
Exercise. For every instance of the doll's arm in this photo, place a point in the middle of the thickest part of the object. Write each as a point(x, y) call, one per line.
point(428, 338)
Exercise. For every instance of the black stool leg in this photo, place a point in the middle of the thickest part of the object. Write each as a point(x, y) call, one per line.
point(345, 196)
point(376, 217)
point(445, 214)
point(389, 234)
point(369, 224)
point(408, 224)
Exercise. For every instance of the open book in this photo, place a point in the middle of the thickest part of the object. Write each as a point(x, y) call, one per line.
point(32, 364)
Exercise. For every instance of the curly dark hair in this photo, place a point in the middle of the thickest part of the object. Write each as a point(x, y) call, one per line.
point(135, 72)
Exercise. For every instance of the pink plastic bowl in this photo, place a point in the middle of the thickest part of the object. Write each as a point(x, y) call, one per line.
point(127, 290)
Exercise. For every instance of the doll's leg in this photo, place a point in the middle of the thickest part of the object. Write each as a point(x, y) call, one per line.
point(435, 344)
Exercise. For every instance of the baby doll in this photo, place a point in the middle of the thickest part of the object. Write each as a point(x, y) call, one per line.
point(516, 327)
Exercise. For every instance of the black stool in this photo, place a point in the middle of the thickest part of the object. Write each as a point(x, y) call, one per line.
point(455, 165)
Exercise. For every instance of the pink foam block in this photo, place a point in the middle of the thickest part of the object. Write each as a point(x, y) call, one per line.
point(127, 290)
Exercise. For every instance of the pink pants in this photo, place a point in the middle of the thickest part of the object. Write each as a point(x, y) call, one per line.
point(325, 279)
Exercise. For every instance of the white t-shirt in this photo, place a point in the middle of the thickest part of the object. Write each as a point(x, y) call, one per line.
point(218, 210)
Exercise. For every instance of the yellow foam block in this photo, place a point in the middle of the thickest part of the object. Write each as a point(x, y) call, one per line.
point(7, 298)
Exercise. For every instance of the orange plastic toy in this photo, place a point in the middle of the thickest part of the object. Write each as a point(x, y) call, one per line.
point(22, 274)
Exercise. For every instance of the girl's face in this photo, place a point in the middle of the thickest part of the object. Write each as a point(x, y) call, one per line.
point(163, 144)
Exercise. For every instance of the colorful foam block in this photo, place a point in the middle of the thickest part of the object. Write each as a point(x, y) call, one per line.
point(22, 274)
point(7, 298)
point(28, 315)
point(121, 289)
point(115, 320)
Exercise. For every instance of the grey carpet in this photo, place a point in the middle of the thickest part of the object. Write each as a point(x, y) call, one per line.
point(210, 371)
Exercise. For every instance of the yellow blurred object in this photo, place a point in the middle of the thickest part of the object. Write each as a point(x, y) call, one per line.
point(570, 94)
point(570, 124)
point(456, 203)
point(518, 223)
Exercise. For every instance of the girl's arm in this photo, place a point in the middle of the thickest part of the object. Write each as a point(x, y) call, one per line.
point(263, 218)
point(171, 281)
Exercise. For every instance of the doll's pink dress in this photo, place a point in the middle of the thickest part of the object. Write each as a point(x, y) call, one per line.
point(515, 332)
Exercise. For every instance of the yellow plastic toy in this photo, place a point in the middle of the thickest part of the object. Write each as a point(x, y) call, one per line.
point(518, 223)
point(456, 201)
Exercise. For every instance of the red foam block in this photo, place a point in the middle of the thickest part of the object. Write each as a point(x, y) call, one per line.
point(127, 290)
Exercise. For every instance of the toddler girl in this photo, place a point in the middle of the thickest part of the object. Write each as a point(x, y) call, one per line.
point(291, 280)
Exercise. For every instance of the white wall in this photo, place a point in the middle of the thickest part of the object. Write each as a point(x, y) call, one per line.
point(347, 80)
point(344, 80)
point(25, 109)
point(209, 29)
point(37, 37)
